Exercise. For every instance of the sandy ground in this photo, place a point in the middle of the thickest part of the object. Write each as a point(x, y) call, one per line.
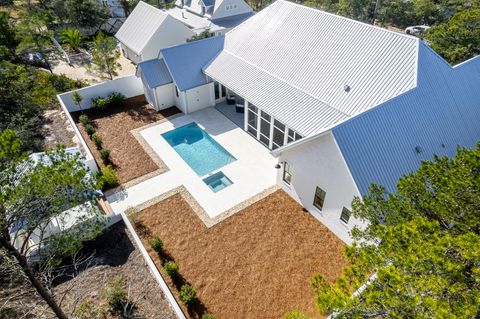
point(79, 71)
point(115, 254)
point(57, 130)
point(114, 125)
point(256, 264)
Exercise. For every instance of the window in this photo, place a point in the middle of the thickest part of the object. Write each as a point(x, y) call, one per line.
point(319, 198)
point(176, 91)
point(217, 90)
point(345, 216)
point(287, 174)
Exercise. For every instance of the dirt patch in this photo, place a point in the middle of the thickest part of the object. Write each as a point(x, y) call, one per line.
point(57, 130)
point(255, 264)
point(113, 125)
point(114, 254)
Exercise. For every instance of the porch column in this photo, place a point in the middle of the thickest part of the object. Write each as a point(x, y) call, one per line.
point(245, 115)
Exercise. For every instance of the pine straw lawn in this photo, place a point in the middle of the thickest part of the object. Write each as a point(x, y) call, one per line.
point(255, 264)
point(113, 125)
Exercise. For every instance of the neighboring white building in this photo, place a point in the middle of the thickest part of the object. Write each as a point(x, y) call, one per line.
point(216, 16)
point(339, 102)
point(147, 30)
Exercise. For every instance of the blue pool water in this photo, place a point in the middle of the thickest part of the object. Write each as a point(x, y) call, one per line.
point(198, 149)
point(217, 181)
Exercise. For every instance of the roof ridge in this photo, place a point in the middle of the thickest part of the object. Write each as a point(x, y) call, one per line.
point(350, 19)
point(288, 83)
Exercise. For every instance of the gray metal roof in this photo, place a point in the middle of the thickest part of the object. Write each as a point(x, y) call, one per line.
point(155, 72)
point(294, 62)
point(140, 26)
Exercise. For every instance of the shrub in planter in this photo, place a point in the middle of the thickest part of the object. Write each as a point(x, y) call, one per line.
point(99, 102)
point(207, 316)
point(187, 294)
point(171, 268)
point(116, 98)
point(84, 120)
point(97, 140)
point(89, 129)
point(116, 294)
point(108, 177)
point(157, 244)
point(295, 314)
point(105, 155)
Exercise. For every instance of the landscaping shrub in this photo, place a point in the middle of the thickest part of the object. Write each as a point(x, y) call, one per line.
point(90, 130)
point(187, 294)
point(116, 294)
point(133, 215)
point(171, 268)
point(108, 177)
point(116, 98)
point(105, 156)
point(100, 103)
point(208, 316)
point(97, 140)
point(86, 310)
point(84, 120)
point(157, 244)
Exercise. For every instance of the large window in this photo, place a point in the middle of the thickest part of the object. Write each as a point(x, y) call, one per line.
point(345, 216)
point(319, 198)
point(287, 174)
point(217, 90)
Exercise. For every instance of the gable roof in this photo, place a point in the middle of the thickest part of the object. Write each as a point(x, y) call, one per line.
point(155, 72)
point(391, 140)
point(140, 26)
point(294, 62)
point(185, 61)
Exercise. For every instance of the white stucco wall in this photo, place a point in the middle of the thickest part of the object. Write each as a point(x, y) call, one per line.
point(199, 98)
point(129, 54)
point(165, 96)
point(172, 32)
point(320, 163)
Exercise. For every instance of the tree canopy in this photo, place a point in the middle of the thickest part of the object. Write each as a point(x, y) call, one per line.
point(458, 39)
point(105, 56)
point(421, 248)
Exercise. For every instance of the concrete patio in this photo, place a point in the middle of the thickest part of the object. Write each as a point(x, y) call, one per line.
point(252, 174)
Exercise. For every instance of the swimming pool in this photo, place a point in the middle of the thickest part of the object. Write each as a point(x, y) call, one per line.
point(198, 149)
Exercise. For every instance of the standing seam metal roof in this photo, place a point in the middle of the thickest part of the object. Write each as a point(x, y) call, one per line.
point(140, 26)
point(442, 112)
point(306, 57)
point(155, 73)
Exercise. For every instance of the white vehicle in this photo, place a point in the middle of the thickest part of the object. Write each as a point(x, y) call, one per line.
point(417, 30)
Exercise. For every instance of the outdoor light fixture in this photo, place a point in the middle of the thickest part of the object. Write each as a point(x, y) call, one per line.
point(279, 165)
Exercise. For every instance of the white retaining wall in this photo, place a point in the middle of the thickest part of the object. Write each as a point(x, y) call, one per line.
point(129, 86)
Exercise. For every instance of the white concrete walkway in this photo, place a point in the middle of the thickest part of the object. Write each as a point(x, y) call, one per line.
point(251, 173)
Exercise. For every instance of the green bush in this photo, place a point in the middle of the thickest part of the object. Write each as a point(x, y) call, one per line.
point(90, 130)
point(187, 294)
point(84, 120)
point(116, 294)
point(86, 310)
point(108, 177)
point(171, 268)
point(116, 98)
point(97, 140)
point(105, 156)
point(100, 103)
point(208, 316)
point(156, 243)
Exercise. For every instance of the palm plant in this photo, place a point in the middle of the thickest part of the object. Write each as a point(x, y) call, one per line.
point(72, 38)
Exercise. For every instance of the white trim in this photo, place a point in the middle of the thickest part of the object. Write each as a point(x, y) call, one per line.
point(153, 269)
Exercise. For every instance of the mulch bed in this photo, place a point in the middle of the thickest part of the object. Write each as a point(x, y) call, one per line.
point(113, 125)
point(255, 264)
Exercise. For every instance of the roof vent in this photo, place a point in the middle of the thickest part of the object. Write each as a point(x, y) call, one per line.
point(418, 149)
point(347, 88)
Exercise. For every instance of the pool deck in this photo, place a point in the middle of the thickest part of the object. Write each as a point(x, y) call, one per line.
point(252, 174)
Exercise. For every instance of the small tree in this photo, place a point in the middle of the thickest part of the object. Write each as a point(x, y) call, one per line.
point(77, 99)
point(72, 38)
point(203, 35)
point(187, 294)
point(31, 197)
point(105, 56)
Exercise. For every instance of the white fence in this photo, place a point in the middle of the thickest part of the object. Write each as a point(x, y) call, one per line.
point(129, 86)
